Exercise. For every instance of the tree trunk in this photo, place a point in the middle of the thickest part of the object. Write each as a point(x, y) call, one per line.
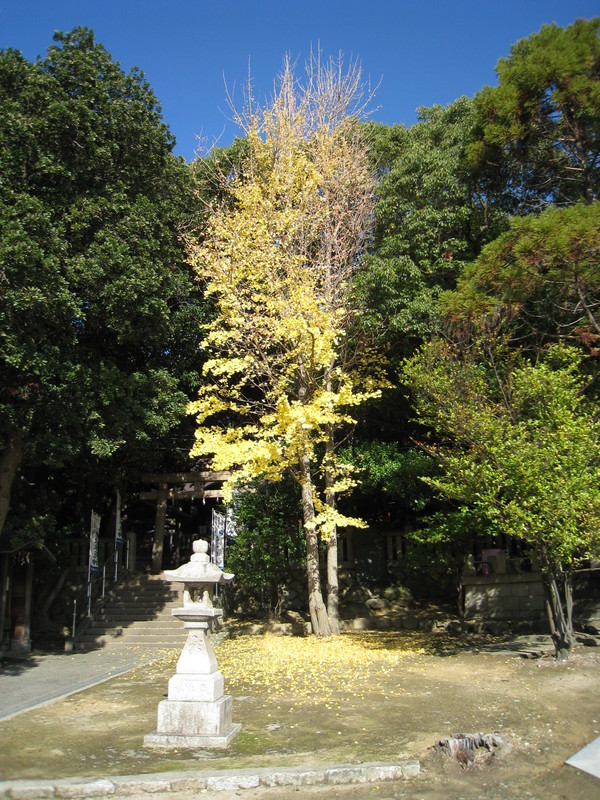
point(159, 528)
point(316, 606)
point(559, 611)
point(9, 464)
point(333, 589)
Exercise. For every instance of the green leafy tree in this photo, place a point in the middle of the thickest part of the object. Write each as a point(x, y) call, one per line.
point(268, 550)
point(539, 281)
point(447, 186)
point(518, 447)
point(538, 131)
point(432, 216)
point(98, 324)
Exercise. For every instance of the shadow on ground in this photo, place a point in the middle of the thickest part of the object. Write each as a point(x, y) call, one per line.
point(376, 696)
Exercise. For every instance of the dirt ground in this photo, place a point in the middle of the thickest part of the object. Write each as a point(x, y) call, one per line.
point(392, 699)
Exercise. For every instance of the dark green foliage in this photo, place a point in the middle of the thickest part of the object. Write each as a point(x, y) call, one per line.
point(540, 281)
point(214, 171)
point(447, 187)
point(269, 546)
point(395, 474)
point(538, 132)
point(393, 494)
point(99, 320)
point(432, 217)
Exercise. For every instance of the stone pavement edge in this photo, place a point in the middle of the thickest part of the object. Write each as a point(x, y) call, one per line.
point(216, 781)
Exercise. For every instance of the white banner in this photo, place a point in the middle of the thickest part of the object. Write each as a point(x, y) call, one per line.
point(217, 539)
point(94, 534)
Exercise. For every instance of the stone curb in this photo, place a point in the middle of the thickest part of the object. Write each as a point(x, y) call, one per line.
point(217, 781)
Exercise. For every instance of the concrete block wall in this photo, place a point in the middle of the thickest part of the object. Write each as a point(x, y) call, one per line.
point(520, 598)
point(504, 598)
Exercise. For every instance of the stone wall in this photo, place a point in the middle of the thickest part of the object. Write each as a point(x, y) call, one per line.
point(504, 598)
point(519, 598)
point(586, 599)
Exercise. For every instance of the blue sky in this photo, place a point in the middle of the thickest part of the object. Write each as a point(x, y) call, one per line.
point(422, 51)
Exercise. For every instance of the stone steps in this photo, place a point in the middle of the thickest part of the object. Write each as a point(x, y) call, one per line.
point(133, 622)
point(132, 614)
point(136, 613)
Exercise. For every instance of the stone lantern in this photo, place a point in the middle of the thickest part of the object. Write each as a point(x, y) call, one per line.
point(197, 713)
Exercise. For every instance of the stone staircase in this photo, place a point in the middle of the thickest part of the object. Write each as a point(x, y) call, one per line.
point(136, 613)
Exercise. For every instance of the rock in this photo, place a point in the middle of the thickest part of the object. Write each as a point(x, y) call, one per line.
point(377, 603)
point(495, 628)
point(454, 628)
point(351, 610)
point(410, 623)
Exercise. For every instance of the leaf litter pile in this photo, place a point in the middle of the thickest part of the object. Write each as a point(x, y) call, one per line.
point(310, 670)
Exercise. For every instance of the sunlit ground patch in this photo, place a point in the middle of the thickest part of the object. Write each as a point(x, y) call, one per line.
point(309, 669)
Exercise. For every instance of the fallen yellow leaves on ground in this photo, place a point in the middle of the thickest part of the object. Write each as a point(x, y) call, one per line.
point(309, 670)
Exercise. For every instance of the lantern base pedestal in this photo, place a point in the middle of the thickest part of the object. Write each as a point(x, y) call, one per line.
point(176, 740)
point(193, 724)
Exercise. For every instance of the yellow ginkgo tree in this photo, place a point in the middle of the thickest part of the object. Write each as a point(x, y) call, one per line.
point(283, 375)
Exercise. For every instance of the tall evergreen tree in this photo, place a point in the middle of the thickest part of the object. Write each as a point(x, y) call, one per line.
point(97, 336)
point(538, 130)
